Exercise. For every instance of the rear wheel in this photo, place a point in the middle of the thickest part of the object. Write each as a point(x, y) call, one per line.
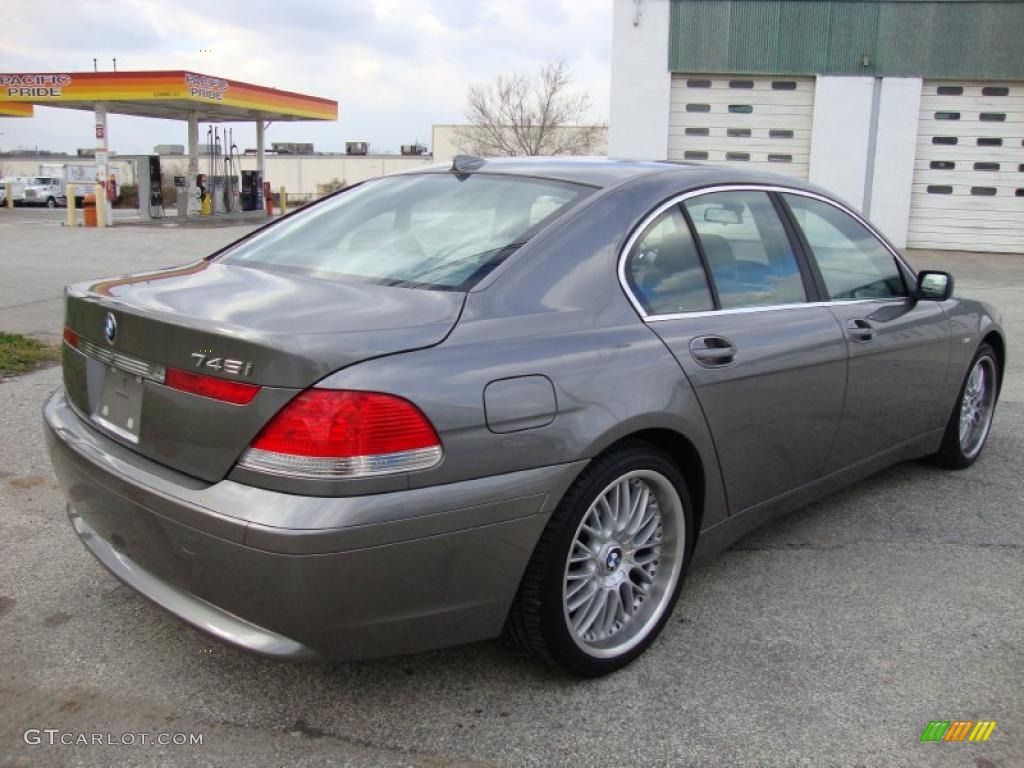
point(51, 202)
point(608, 568)
point(971, 420)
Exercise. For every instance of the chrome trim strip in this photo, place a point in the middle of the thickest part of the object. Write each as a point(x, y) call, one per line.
point(152, 371)
point(673, 201)
point(748, 310)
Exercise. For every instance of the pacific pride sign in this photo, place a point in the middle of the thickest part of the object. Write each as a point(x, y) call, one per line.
point(34, 85)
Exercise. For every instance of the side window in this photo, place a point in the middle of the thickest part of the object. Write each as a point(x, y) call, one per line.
point(664, 268)
point(748, 251)
point(853, 263)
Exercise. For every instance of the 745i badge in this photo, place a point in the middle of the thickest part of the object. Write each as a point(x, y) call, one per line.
point(225, 364)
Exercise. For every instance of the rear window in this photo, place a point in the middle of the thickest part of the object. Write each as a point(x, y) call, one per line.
point(439, 230)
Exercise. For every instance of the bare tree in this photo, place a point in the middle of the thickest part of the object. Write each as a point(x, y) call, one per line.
point(521, 115)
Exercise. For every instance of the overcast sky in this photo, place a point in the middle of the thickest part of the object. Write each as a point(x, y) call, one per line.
point(394, 66)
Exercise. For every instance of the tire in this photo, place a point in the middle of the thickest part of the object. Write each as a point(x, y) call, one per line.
point(973, 411)
point(553, 614)
point(51, 202)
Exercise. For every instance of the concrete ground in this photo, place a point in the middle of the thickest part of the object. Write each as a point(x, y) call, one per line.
point(829, 638)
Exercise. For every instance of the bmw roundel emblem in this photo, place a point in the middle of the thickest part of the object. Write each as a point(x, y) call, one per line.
point(110, 327)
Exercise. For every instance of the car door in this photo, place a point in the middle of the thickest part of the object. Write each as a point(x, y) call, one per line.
point(898, 348)
point(717, 278)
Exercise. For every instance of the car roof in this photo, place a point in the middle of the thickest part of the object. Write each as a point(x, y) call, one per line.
point(607, 172)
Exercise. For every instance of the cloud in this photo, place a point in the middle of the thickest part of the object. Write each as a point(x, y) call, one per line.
point(395, 66)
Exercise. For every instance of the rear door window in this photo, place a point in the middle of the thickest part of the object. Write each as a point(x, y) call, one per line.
point(852, 261)
point(747, 249)
point(664, 269)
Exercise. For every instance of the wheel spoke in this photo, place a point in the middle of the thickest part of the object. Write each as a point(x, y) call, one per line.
point(644, 535)
point(607, 519)
point(627, 593)
point(623, 505)
point(639, 511)
point(589, 616)
point(582, 596)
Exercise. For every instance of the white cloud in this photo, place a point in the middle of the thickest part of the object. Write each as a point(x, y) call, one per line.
point(395, 66)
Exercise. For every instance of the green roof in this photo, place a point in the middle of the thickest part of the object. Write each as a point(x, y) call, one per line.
point(961, 39)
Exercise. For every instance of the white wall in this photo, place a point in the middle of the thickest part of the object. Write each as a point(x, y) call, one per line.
point(640, 82)
point(840, 135)
point(444, 143)
point(895, 148)
point(300, 174)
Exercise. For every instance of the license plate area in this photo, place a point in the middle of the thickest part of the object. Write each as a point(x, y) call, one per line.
point(119, 405)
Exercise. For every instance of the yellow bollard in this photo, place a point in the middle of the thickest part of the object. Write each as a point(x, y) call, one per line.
point(9, 193)
point(70, 193)
point(101, 205)
point(284, 202)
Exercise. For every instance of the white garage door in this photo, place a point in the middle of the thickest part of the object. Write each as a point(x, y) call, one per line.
point(752, 122)
point(969, 171)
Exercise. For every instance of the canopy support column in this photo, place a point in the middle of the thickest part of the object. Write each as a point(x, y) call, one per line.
point(193, 163)
point(103, 161)
point(260, 127)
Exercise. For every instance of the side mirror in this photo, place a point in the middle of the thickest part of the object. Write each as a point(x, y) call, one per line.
point(934, 286)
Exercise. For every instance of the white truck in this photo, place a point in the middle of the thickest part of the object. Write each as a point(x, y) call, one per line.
point(42, 190)
point(17, 183)
point(49, 188)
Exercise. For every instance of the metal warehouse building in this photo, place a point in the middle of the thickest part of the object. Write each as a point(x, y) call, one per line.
point(911, 110)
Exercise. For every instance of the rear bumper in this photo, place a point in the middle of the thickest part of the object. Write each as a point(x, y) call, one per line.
point(304, 577)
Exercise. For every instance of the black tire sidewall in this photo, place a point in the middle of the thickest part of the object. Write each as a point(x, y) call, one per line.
point(553, 624)
point(951, 454)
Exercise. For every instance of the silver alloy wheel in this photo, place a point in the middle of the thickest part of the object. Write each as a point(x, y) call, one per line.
point(624, 563)
point(977, 406)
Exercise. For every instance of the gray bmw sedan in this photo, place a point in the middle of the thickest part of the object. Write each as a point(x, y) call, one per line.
point(513, 394)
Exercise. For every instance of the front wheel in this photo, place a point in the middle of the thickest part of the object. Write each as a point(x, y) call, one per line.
point(51, 202)
point(971, 420)
point(608, 568)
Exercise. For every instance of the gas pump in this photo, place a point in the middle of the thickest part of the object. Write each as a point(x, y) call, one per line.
point(203, 193)
point(150, 187)
point(252, 191)
point(181, 195)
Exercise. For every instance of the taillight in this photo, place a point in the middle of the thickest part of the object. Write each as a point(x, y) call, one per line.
point(236, 392)
point(70, 337)
point(331, 433)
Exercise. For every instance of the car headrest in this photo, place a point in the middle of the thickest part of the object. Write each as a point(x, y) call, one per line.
point(677, 253)
point(718, 251)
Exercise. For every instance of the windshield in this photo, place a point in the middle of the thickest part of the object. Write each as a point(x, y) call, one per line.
point(434, 230)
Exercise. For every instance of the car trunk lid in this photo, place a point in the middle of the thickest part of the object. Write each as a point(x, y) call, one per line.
point(280, 331)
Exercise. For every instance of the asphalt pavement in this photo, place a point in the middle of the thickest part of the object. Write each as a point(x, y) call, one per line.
point(831, 637)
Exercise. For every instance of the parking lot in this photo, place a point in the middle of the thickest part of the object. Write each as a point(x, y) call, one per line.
point(831, 637)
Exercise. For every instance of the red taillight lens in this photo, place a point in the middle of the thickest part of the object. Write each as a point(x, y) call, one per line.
point(70, 337)
point(236, 392)
point(339, 433)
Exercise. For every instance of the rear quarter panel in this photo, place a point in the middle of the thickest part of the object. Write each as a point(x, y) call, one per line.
point(557, 312)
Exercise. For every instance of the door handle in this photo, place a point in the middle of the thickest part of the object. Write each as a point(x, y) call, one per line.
point(860, 330)
point(713, 351)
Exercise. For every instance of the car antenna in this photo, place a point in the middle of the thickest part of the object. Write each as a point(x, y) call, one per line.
point(466, 163)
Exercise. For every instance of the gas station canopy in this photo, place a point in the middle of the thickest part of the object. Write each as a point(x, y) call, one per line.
point(170, 94)
point(174, 94)
point(15, 109)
